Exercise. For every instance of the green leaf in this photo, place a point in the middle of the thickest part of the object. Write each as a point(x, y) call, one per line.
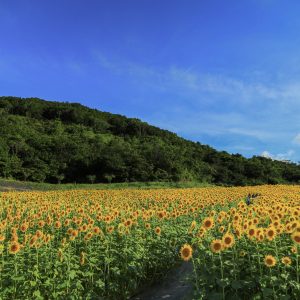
point(38, 295)
point(236, 284)
point(72, 274)
point(33, 283)
point(100, 284)
point(267, 292)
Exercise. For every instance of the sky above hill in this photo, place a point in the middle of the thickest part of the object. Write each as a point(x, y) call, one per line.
point(224, 73)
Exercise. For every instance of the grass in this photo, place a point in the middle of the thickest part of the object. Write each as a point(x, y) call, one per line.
point(11, 185)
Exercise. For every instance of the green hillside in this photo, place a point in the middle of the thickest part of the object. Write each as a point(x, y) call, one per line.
point(55, 142)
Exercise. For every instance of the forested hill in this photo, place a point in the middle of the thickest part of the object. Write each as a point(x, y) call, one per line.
point(68, 142)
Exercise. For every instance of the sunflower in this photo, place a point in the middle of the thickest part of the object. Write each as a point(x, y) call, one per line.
point(271, 233)
point(96, 230)
point(33, 240)
point(208, 223)
point(128, 223)
point(228, 240)
point(289, 228)
point(260, 237)
point(201, 232)
point(186, 252)
point(67, 222)
point(296, 237)
point(251, 232)
point(63, 241)
point(83, 228)
point(221, 229)
point(294, 249)
point(216, 246)
point(88, 236)
point(238, 231)
point(74, 233)
point(24, 227)
point(14, 238)
point(270, 261)
point(14, 247)
point(193, 225)
point(39, 234)
point(47, 238)
point(110, 229)
point(57, 224)
point(161, 214)
point(286, 261)
point(41, 223)
point(236, 217)
point(14, 231)
point(157, 230)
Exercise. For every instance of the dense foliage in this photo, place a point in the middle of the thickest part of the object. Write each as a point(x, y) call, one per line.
point(65, 142)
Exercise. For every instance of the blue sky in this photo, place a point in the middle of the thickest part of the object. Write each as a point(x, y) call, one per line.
point(224, 73)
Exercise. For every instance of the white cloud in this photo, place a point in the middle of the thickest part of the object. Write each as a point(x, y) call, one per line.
point(280, 156)
point(246, 110)
point(190, 82)
point(296, 139)
point(266, 154)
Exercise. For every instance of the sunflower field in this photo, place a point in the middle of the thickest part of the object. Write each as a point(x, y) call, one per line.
point(106, 244)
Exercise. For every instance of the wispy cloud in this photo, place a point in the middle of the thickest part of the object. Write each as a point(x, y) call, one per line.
point(280, 156)
point(296, 139)
point(217, 105)
point(192, 81)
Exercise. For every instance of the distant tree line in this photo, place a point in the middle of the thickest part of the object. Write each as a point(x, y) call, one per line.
point(58, 142)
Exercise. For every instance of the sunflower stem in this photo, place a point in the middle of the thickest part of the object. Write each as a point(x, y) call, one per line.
point(222, 276)
point(274, 294)
point(259, 262)
point(297, 264)
point(16, 272)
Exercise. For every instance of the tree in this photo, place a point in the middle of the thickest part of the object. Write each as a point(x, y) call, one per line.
point(91, 178)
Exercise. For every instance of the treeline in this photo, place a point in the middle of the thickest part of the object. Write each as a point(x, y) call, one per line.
point(57, 142)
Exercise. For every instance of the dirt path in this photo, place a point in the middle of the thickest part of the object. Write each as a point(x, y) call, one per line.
point(175, 286)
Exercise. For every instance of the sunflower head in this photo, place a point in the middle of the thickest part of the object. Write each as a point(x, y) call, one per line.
point(186, 252)
point(271, 233)
point(286, 261)
point(294, 249)
point(251, 232)
point(157, 230)
point(228, 240)
point(270, 261)
point(216, 246)
point(296, 237)
point(208, 223)
point(221, 229)
point(14, 247)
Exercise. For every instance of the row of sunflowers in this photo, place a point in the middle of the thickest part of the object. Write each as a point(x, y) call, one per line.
point(106, 244)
